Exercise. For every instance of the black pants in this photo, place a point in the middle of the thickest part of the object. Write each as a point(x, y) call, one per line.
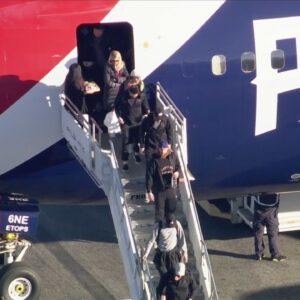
point(166, 261)
point(165, 202)
point(149, 153)
point(131, 135)
point(267, 217)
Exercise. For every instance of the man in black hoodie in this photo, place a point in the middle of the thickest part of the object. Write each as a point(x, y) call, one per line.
point(155, 128)
point(131, 109)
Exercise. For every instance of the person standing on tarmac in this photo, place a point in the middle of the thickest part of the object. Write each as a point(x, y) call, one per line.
point(162, 175)
point(266, 214)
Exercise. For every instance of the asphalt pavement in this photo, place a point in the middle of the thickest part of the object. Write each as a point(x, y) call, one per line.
point(76, 253)
point(77, 257)
point(237, 274)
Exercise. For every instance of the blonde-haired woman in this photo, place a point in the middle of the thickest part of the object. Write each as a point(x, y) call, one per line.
point(115, 73)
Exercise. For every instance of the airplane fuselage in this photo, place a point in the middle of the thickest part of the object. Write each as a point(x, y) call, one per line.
point(243, 126)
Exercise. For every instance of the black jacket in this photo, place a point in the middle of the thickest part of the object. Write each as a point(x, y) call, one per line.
point(266, 201)
point(132, 114)
point(112, 83)
point(151, 137)
point(176, 290)
point(155, 180)
point(75, 94)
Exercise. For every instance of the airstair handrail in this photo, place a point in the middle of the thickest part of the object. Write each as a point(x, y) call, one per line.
point(140, 288)
point(194, 221)
point(189, 207)
point(88, 124)
point(169, 107)
point(165, 98)
point(151, 294)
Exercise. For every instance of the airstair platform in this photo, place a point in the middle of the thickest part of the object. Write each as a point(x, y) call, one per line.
point(133, 217)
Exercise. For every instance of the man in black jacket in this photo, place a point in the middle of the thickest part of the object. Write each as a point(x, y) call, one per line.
point(155, 128)
point(93, 51)
point(266, 214)
point(131, 109)
point(176, 284)
point(162, 175)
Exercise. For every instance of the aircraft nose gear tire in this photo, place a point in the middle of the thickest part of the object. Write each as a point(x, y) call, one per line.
point(19, 282)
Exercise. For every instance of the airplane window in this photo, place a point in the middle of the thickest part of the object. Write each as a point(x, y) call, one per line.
point(248, 62)
point(277, 59)
point(218, 65)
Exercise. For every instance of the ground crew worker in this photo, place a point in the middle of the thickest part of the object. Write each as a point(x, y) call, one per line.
point(266, 214)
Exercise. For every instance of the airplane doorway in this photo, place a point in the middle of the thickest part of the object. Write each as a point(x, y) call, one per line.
point(95, 42)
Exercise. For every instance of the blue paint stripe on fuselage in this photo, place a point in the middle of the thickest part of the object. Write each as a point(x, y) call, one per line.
point(220, 111)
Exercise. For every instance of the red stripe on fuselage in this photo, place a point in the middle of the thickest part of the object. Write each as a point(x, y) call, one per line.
point(35, 36)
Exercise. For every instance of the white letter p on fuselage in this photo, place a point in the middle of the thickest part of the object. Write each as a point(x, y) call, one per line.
point(269, 81)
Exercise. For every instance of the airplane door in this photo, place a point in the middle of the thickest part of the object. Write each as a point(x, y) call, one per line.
point(95, 42)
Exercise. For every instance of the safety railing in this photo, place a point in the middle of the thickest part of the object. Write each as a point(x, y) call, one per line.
point(176, 116)
point(188, 203)
point(147, 282)
point(87, 123)
point(84, 137)
point(196, 237)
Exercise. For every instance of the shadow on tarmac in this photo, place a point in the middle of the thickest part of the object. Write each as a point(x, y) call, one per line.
point(229, 254)
point(221, 229)
point(74, 222)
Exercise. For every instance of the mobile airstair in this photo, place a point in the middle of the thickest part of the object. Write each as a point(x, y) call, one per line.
point(134, 218)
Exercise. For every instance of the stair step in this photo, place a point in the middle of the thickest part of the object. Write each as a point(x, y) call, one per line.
point(138, 197)
point(141, 214)
point(141, 211)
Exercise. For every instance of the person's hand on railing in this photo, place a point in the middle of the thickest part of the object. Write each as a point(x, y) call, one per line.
point(144, 258)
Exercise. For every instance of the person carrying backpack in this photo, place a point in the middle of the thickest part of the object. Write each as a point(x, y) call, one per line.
point(171, 244)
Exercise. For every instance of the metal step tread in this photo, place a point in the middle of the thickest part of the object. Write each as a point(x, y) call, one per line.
point(246, 215)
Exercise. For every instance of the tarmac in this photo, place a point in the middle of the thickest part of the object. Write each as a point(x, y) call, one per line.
point(237, 274)
point(76, 253)
point(77, 257)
